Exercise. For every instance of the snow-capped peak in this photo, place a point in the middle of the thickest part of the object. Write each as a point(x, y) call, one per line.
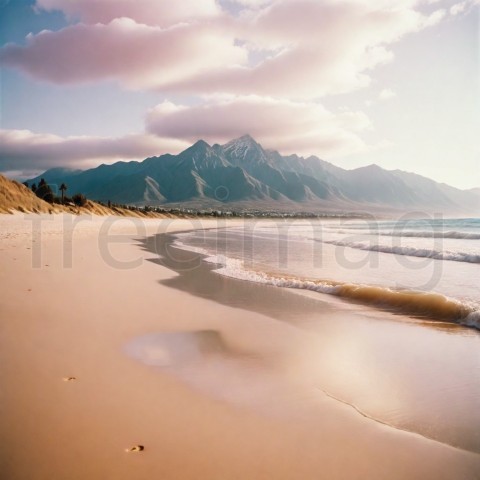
point(244, 148)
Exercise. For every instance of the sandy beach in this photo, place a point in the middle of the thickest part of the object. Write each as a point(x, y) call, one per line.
point(77, 291)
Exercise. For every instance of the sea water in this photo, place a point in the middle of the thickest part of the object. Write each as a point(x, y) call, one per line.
point(427, 268)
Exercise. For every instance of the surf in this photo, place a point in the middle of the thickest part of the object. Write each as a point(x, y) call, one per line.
point(425, 305)
point(409, 251)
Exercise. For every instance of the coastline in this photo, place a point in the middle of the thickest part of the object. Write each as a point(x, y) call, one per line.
point(425, 357)
point(71, 311)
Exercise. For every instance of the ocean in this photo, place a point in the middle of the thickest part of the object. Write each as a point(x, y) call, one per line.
point(381, 316)
point(428, 268)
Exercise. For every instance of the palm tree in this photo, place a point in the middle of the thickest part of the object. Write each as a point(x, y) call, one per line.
point(63, 188)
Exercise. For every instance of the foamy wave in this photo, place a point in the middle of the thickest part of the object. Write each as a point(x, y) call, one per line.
point(420, 304)
point(421, 234)
point(179, 244)
point(452, 234)
point(472, 320)
point(410, 251)
point(426, 305)
point(234, 268)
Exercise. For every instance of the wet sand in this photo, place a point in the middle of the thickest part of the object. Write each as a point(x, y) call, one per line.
point(75, 310)
point(413, 374)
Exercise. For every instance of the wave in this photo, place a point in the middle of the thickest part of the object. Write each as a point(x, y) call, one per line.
point(423, 234)
point(410, 251)
point(431, 306)
point(451, 234)
point(430, 224)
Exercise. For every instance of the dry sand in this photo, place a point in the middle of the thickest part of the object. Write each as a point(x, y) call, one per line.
point(68, 307)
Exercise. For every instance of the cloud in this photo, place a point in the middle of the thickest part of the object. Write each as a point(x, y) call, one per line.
point(300, 49)
point(386, 94)
point(463, 7)
point(150, 12)
point(458, 8)
point(25, 150)
point(291, 127)
point(253, 4)
point(255, 66)
point(136, 55)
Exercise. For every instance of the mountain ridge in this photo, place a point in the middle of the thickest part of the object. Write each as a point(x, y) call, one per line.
point(243, 171)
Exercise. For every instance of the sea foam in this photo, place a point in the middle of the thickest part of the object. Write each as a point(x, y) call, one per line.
point(427, 305)
point(409, 251)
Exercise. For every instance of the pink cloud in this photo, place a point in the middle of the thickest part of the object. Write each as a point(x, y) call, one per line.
point(303, 48)
point(291, 127)
point(271, 62)
point(136, 55)
point(23, 149)
point(319, 48)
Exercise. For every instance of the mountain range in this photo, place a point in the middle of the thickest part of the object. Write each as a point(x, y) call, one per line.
point(243, 173)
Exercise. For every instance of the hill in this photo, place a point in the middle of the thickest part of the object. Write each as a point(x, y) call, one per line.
point(16, 197)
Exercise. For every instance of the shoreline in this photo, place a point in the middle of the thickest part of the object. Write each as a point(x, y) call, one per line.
point(197, 277)
point(430, 307)
point(75, 321)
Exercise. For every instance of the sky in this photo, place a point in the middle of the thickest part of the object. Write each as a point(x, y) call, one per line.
point(354, 82)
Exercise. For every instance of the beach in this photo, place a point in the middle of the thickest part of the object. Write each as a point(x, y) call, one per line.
point(87, 297)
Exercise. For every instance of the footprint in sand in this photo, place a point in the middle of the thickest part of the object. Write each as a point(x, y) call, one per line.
point(136, 448)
